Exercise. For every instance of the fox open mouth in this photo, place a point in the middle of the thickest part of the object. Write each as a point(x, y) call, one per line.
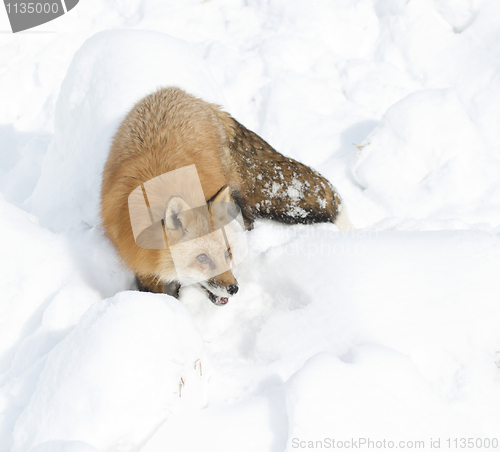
point(215, 299)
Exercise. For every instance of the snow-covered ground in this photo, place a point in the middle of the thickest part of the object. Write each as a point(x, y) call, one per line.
point(391, 332)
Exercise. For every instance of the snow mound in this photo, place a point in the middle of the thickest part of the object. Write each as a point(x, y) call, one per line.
point(426, 157)
point(121, 368)
point(44, 266)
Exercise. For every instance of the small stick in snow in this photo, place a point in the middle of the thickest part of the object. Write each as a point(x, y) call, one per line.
point(198, 361)
point(181, 384)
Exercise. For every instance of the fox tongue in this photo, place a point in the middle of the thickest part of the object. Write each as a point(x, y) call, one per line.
point(217, 300)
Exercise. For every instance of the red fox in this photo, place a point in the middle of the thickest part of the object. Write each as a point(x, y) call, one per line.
point(171, 129)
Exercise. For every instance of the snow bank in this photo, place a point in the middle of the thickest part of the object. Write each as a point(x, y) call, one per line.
point(35, 266)
point(116, 377)
point(426, 158)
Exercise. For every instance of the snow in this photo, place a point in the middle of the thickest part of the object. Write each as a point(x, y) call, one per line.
point(421, 157)
point(389, 332)
point(120, 367)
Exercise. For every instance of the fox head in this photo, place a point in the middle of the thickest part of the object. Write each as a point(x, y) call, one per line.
point(202, 245)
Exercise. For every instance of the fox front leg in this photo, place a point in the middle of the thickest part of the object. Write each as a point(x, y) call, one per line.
point(154, 285)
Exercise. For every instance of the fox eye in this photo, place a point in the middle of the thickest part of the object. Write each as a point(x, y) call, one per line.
point(227, 254)
point(203, 258)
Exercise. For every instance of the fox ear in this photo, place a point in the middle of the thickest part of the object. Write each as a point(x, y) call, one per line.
point(223, 195)
point(175, 218)
point(221, 207)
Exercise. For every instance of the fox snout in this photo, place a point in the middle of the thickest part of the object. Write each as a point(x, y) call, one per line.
point(220, 286)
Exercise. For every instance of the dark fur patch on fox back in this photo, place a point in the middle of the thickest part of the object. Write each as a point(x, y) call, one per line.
point(280, 188)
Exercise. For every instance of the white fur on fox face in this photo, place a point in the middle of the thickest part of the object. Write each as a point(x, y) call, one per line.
point(216, 290)
point(191, 268)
